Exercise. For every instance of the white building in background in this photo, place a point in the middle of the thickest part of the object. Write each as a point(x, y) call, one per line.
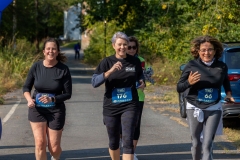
point(72, 23)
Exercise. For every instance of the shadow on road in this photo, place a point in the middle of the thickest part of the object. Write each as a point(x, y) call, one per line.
point(151, 152)
point(74, 102)
point(12, 147)
point(81, 73)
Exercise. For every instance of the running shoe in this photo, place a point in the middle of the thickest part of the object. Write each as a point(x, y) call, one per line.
point(135, 157)
point(52, 158)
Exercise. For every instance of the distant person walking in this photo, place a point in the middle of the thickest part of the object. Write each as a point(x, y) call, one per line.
point(52, 84)
point(120, 72)
point(77, 48)
point(204, 76)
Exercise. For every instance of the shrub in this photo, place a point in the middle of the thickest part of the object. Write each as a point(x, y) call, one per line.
point(15, 63)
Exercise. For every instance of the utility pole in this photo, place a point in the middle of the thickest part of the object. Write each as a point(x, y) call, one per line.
point(37, 27)
point(105, 37)
point(14, 24)
point(105, 29)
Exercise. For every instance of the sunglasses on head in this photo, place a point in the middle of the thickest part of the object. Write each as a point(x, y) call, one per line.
point(132, 47)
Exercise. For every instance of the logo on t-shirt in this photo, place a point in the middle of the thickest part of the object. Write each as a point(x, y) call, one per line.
point(130, 69)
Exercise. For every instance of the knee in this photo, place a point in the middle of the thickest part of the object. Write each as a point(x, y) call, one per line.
point(40, 144)
point(207, 147)
point(197, 147)
point(114, 145)
point(196, 143)
point(128, 146)
point(54, 149)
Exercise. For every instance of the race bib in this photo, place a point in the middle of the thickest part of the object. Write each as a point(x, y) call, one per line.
point(45, 105)
point(121, 95)
point(208, 95)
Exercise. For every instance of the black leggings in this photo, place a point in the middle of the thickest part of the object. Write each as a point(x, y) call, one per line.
point(139, 117)
point(137, 129)
point(128, 120)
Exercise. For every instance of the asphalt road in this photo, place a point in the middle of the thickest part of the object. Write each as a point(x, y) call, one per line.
point(84, 135)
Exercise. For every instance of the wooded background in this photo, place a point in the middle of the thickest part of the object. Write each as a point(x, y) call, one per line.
point(163, 27)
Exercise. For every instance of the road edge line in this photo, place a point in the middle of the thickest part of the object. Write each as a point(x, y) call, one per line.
point(10, 113)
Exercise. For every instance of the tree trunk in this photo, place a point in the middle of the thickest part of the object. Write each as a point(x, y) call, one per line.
point(37, 30)
point(14, 25)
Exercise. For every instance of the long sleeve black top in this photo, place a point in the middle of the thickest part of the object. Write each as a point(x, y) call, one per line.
point(56, 80)
point(213, 76)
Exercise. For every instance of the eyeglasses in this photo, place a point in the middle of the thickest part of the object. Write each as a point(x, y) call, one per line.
point(132, 47)
point(206, 50)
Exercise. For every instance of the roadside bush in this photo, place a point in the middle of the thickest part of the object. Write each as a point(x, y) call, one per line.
point(15, 63)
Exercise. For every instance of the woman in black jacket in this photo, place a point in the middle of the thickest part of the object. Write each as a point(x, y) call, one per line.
point(204, 77)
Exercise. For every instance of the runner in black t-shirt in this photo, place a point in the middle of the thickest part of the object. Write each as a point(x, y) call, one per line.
point(53, 85)
point(120, 72)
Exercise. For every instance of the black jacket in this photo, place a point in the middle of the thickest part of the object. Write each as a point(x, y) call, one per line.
point(213, 76)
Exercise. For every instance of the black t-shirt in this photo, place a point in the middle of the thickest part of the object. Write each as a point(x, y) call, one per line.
point(126, 77)
point(56, 80)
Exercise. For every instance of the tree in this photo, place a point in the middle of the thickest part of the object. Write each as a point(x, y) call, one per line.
point(35, 20)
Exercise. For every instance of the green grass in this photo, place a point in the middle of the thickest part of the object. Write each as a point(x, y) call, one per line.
point(15, 64)
point(166, 72)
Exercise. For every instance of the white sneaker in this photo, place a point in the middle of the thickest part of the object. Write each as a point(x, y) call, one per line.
point(52, 158)
point(135, 157)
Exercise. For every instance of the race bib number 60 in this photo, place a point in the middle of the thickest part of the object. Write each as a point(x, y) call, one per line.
point(121, 95)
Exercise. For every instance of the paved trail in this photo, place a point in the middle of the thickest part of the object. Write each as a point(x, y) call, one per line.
point(85, 136)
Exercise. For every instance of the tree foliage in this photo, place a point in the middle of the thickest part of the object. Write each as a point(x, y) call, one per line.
point(126, 13)
point(35, 20)
point(166, 27)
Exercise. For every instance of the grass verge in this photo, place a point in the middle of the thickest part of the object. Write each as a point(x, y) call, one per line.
point(232, 130)
point(14, 64)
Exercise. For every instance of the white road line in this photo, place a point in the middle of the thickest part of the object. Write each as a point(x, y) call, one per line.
point(5, 119)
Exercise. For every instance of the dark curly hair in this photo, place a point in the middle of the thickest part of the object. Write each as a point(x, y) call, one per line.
point(134, 39)
point(195, 45)
point(61, 57)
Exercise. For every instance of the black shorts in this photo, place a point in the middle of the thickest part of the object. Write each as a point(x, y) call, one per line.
point(55, 117)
